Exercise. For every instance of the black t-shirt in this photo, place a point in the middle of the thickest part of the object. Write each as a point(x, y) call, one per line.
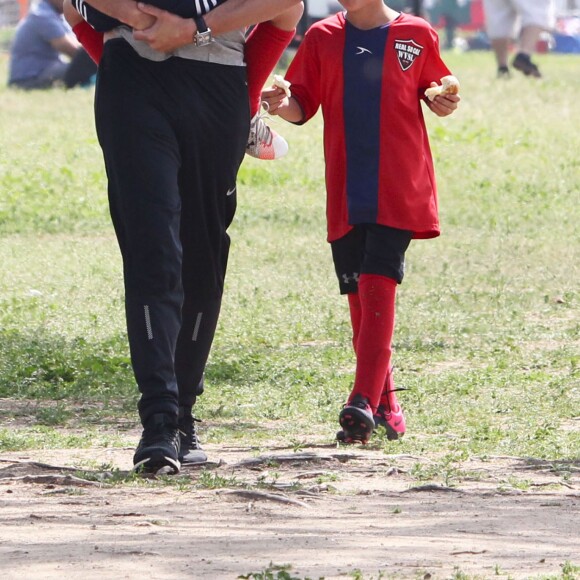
point(183, 8)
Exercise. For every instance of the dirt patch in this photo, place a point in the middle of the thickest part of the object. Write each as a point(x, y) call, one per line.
point(324, 511)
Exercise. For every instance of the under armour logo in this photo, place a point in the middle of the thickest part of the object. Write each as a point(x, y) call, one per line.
point(362, 50)
point(348, 279)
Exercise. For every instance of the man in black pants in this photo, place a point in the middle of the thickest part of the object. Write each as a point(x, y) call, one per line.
point(173, 122)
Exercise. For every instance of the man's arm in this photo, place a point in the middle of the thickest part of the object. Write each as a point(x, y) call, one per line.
point(66, 45)
point(171, 32)
point(126, 11)
point(239, 14)
point(70, 14)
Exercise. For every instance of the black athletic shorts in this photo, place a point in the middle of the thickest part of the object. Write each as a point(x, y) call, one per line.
point(369, 249)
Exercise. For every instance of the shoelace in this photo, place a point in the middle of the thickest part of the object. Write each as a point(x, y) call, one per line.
point(260, 130)
point(397, 389)
point(190, 433)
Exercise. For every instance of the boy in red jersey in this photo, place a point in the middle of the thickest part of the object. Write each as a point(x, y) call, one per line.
point(368, 69)
point(264, 47)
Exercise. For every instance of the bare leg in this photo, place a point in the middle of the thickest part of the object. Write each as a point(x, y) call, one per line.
point(501, 49)
point(529, 39)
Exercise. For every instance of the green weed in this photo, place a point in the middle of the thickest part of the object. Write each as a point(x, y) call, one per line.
point(209, 480)
point(275, 572)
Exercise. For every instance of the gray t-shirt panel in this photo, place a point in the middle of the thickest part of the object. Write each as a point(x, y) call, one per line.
point(225, 49)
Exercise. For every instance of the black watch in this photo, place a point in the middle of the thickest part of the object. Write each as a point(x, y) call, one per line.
point(203, 35)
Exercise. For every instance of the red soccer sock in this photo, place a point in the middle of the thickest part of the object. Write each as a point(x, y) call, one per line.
point(264, 47)
point(355, 317)
point(388, 398)
point(373, 349)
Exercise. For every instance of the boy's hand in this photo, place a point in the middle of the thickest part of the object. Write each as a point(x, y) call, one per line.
point(443, 105)
point(276, 98)
point(278, 103)
point(168, 31)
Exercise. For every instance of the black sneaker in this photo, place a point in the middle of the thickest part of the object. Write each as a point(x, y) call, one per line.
point(523, 63)
point(503, 72)
point(190, 452)
point(356, 420)
point(158, 449)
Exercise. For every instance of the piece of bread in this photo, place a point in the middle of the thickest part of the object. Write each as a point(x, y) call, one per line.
point(449, 86)
point(282, 83)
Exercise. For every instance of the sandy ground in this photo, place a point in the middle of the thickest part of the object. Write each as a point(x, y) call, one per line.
point(322, 511)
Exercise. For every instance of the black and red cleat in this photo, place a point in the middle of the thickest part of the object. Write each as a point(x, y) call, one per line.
point(356, 420)
point(392, 421)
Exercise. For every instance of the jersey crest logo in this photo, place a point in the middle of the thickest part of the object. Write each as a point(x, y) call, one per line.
point(407, 51)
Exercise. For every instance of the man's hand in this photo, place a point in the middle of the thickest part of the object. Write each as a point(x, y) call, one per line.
point(139, 20)
point(168, 33)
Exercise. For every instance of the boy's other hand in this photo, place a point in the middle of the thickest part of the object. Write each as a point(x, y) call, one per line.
point(276, 98)
point(443, 105)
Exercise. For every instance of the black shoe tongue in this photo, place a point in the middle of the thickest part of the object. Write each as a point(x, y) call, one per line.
point(161, 420)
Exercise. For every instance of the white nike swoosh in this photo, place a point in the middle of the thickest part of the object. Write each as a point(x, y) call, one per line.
point(362, 50)
point(231, 191)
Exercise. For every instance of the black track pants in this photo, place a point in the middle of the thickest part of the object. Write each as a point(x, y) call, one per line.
point(173, 135)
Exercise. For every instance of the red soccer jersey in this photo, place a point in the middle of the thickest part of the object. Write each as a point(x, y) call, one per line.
point(370, 84)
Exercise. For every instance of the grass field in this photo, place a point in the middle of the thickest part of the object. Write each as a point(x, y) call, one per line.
point(488, 331)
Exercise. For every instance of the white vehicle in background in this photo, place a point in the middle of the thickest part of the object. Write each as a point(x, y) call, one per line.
point(319, 9)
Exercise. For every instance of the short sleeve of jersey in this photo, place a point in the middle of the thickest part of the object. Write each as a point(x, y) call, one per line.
point(304, 75)
point(434, 68)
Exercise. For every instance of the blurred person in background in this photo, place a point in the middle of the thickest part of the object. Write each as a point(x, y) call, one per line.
point(453, 12)
point(42, 39)
point(524, 20)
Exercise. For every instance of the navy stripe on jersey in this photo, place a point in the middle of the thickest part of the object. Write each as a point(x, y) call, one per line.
point(363, 57)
